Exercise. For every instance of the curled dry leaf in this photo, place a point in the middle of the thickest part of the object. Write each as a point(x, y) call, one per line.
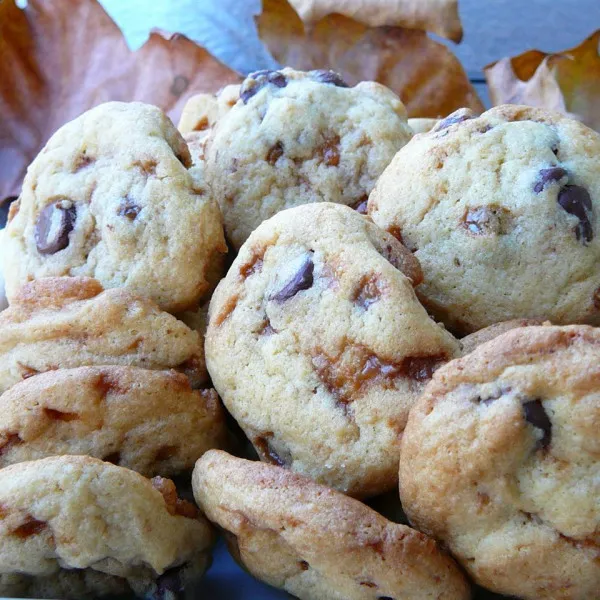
point(61, 57)
point(568, 82)
point(438, 16)
point(425, 74)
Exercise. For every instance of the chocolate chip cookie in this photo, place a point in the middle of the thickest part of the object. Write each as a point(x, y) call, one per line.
point(318, 345)
point(502, 212)
point(295, 138)
point(149, 421)
point(66, 322)
point(500, 461)
point(110, 197)
point(315, 543)
point(76, 527)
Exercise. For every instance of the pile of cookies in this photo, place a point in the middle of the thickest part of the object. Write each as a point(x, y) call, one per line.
point(380, 304)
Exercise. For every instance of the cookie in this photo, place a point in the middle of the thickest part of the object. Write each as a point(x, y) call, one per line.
point(295, 138)
point(502, 212)
point(421, 125)
point(315, 543)
point(148, 421)
point(110, 197)
point(202, 111)
point(500, 461)
point(318, 345)
point(67, 322)
point(76, 527)
point(471, 341)
point(3, 300)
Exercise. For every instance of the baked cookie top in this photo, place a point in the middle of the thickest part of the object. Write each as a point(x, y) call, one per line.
point(316, 543)
point(149, 421)
point(502, 212)
point(294, 138)
point(318, 345)
point(110, 197)
point(500, 462)
point(66, 322)
point(72, 513)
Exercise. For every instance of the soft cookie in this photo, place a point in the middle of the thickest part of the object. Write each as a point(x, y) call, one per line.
point(501, 462)
point(149, 421)
point(110, 197)
point(67, 322)
point(75, 527)
point(318, 345)
point(294, 138)
point(502, 212)
point(315, 543)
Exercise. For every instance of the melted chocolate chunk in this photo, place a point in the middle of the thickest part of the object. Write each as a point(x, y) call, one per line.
point(422, 368)
point(263, 445)
point(59, 415)
point(275, 153)
point(576, 201)
point(4, 206)
point(30, 527)
point(54, 224)
point(326, 76)
point(549, 176)
point(129, 209)
point(458, 116)
point(303, 565)
point(536, 415)
point(329, 151)
point(258, 80)
point(367, 292)
point(302, 280)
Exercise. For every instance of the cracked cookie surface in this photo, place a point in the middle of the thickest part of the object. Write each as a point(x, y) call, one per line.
point(148, 421)
point(65, 322)
point(502, 211)
point(316, 543)
point(295, 138)
point(76, 527)
point(110, 197)
point(500, 461)
point(318, 345)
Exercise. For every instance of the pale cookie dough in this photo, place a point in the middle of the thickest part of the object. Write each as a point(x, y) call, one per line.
point(75, 527)
point(501, 462)
point(315, 543)
point(295, 138)
point(318, 345)
point(110, 197)
point(502, 211)
point(67, 322)
point(148, 421)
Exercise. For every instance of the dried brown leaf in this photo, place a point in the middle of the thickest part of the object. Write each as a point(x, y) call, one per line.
point(425, 74)
point(61, 57)
point(438, 16)
point(568, 82)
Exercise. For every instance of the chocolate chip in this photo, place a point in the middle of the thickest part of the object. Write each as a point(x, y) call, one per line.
point(487, 220)
point(576, 201)
point(326, 76)
point(303, 565)
point(169, 584)
point(549, 176)
point(165, 453)
point(384, 598)
point(302, 280)
point(4, 206)
point(265, 450)
point(54, 224)
point(458, 116)
point(275, 153)
point(59, 415)
point(113, 457)
point(536, 414)
point(259, 79)
point(368, 584)
point(129, 209)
